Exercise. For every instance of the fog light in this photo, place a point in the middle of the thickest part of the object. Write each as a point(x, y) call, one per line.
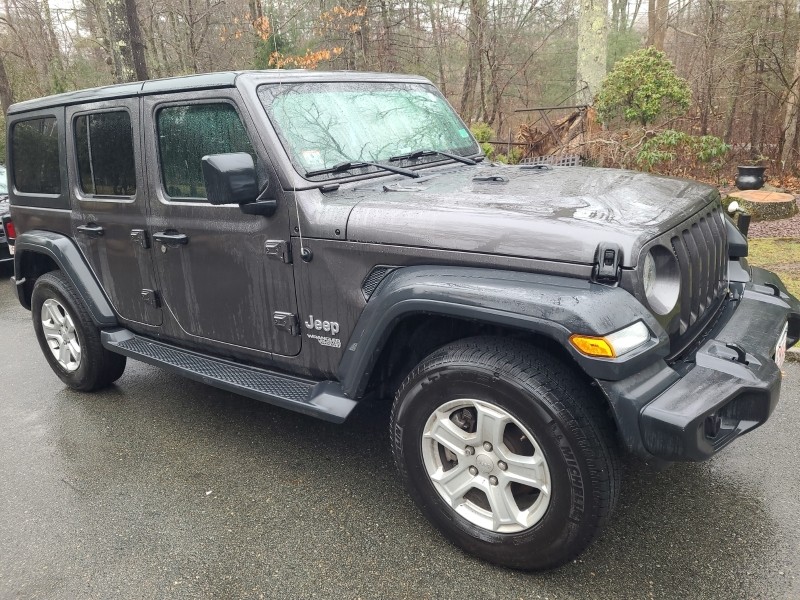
point(614, 344)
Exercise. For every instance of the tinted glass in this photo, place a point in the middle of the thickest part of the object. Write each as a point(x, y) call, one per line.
point(323, 124)
point(186, 134)
point(104, 147)
point(36, 158)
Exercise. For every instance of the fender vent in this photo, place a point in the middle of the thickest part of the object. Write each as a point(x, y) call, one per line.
point(373, 280)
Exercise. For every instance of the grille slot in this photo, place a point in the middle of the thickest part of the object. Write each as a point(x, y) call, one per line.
point(701, 249)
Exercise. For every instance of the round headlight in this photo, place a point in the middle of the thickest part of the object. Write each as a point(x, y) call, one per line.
point(661, 279)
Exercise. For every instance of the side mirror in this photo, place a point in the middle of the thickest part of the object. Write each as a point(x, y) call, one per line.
point(230, 178)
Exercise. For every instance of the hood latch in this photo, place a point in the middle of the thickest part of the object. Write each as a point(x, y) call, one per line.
point(607, 259)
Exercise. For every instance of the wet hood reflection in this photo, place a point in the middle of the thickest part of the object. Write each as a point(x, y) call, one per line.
point(554, 214)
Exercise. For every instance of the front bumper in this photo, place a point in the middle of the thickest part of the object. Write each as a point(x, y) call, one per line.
point(694, 407)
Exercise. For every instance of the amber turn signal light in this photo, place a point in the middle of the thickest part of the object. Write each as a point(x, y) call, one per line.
point(614, 344)
point(592, 346)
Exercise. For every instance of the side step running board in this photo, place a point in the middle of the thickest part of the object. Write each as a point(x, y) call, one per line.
point(324, 400)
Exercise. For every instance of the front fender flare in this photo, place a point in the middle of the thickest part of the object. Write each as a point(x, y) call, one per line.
point(548, 305)
point(69, 259)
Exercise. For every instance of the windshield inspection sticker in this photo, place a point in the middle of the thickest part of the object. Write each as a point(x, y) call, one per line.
point(463, 133)
point(313, 158)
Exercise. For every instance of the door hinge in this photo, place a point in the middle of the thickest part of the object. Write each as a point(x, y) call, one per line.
point(607, 261)
point(139, 236)
point(279, 249)
point(151, 297)
point(286, 322)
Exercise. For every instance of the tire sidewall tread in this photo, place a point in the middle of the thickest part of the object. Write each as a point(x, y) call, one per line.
point(99, 367)
point(568, 421)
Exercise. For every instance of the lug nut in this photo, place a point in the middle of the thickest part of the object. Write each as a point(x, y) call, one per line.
point(493, 480)
point(473, 471)
point(503, 466)
point(487, 446)
point(469, 450)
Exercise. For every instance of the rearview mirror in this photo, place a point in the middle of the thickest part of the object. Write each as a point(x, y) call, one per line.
point(230, 178)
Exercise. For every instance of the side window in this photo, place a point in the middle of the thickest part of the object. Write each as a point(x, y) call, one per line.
point(37, 164)
point(104, 149)
point(186, 134)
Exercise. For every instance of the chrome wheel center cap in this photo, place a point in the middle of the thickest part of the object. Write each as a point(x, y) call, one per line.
point(484, 463)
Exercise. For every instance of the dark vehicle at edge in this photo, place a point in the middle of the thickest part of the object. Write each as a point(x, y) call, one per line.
point(5, 217)
point(320, 241)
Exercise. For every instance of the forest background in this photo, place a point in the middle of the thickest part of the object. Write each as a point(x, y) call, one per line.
point(492, 58)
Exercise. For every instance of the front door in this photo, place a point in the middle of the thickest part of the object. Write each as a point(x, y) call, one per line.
point(219, 277)
point(109, 206)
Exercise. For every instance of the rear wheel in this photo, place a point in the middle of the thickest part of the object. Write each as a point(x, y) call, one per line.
point(506, 450)
point(69, 338)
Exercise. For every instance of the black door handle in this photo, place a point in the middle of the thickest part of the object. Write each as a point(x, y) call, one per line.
point(171, 238)
point(92, 230)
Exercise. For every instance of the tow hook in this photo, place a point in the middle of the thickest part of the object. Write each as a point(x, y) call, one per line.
point(741, 355)
point(712, 425)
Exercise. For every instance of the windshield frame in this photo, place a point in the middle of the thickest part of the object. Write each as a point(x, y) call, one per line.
point(366, 171)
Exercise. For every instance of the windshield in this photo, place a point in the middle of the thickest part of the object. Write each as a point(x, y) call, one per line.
point(3, 182)
point(326, 124)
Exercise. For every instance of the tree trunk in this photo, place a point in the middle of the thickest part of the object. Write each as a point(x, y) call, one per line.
point(120, 35)
point(657, 17)
point(662, 17)
point(788, 152)
point(55, 64)
point(592, 46)
point(6, 92)
point(731, 118)
point(137, 44)
point(474, 58)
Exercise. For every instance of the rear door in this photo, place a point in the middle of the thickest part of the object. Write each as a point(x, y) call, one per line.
point(109, 204)
point(221, 279)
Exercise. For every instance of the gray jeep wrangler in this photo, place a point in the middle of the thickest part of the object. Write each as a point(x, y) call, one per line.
point(320, 240)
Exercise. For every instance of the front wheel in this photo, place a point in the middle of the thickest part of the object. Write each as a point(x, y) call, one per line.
point(506, 450)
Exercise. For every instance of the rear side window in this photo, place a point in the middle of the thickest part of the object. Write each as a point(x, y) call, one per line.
point(104, 148)
point(186, 134)
point(37, 162)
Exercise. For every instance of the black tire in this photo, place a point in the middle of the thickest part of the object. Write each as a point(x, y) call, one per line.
point(555, 404)
point(98, 367)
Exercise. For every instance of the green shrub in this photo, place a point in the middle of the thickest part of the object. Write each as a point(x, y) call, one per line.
point(643, 88)
point(484, 134)
point(511, 158)
point(671, 145)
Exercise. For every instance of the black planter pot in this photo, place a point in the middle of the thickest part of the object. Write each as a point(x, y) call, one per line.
point(750, 178)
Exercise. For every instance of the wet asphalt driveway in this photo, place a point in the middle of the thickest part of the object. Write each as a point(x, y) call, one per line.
point(164, 488)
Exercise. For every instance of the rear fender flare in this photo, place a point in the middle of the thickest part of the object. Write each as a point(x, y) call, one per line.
point(69, 259)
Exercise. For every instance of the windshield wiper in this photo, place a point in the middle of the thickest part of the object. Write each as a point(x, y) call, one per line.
point(349, 165)
point(421, 153)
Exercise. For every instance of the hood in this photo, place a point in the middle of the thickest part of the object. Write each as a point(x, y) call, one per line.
point(558, 213)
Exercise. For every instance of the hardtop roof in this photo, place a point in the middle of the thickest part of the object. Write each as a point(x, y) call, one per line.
point(203, 81)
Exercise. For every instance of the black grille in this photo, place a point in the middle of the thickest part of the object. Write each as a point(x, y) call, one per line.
point(374, 279)
point(701, 249)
